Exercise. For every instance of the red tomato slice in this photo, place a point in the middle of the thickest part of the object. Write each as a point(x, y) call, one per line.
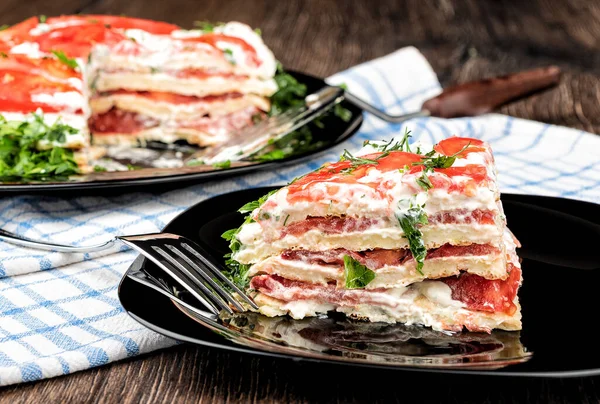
point(453, 145)
point(486, 295)
point(48, 67)
point(475, 171)
point(335, 172)
point(153, 27)
point(20, 78)
point(17, 34)
point(76, 40)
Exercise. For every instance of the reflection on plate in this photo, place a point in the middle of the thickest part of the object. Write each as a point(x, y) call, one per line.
point(385, 344)
point(332, 131)
point(561, 271)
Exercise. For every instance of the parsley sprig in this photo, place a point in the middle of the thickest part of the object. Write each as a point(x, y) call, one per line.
point(391, 146)
point(238, 272)
point(356, 274)
point(431, 161)
point(410, 220)
point(60, 55)
point(28, 151)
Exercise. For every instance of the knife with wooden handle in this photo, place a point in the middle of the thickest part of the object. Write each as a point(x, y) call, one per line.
point(469, 99)
point(474, 98)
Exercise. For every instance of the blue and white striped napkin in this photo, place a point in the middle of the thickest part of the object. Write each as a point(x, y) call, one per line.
point(59, 313)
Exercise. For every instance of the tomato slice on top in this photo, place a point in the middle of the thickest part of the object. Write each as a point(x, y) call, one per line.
point(77, 40)
point(118, 22)
point(17, 34)
point(346, 172)
point(453, 145)
point(21, 77)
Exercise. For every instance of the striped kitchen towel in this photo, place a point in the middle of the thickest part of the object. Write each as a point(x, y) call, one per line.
point(59, 313)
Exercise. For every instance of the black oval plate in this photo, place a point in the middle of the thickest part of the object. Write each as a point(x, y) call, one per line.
point(333, 132)
point(561, 270)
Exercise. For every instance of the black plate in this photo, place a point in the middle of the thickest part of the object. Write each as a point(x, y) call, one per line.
point(333, 132)
point(559, 302)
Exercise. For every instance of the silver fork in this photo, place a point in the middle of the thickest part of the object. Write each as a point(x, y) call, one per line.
point(181, 258)
point(467, 99)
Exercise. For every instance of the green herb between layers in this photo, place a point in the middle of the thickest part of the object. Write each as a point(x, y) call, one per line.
point(238, 273)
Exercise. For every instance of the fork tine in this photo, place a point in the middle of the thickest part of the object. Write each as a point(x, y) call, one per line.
point(211, 293)
point(206, 276)
point(195, 250)
point(201, 293)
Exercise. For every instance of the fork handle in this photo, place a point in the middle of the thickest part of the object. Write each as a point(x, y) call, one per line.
point(40, 245)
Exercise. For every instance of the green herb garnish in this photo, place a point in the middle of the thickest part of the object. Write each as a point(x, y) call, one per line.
point(99, 169)
point(222, 164)
point(207, 26)
point(238, 272)
point(409, 220)
point(258, 31)
point(357, 275)
point(229, 56)
point(343, 113)
point(431, 161)
point(60, 55)
point(390, 146)
point(195, 162)
point(289, 93)
point(28, 150)
point(42, 18)
point(251, 206)
point(4, 26)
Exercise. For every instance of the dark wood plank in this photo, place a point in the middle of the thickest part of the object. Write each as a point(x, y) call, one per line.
point(463, 40)
point(192, 374)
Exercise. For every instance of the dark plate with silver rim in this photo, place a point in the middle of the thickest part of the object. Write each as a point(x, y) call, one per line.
point(561, 269)
point(332, 132)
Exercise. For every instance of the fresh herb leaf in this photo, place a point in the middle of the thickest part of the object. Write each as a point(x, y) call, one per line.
point(207, 26)
point(60, 55)
point(258, 31)
point(132, 167)
point(29, 150)
point(204, 26)
point(289, 92)
point(347, 156)
point(357, 275)
point(4, 26)
point(42, 19)
point(237, 272)
point(99, 169)
point(430, 161)
point(195, 162)
point(251, 206)
point(424, 182)
point(222, 164)
point(390, 146)
point(341, 112)
point(229, 234)
point(229, 56)
point(409, 220)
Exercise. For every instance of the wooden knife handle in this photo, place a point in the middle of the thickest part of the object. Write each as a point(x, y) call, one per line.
point(480, 97)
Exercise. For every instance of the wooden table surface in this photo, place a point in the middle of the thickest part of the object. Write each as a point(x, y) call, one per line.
point(463, 40)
